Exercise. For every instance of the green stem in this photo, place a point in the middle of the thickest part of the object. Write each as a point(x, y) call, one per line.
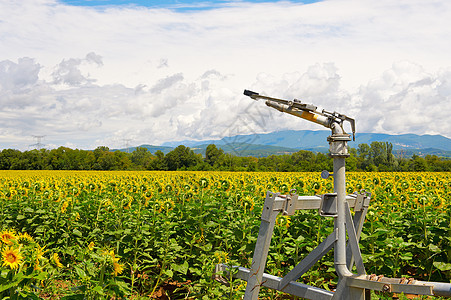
point(135, 250)
point(98, 213)
point(318, 232)
point(163, 264)
point(231, 286)
point(102, 275)
point(424, 226)
point(372, 239)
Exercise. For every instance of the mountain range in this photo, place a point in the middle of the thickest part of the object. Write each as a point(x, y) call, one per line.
point(290, 141)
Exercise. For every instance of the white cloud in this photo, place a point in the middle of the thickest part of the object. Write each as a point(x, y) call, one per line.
point(407, 99)
point(20, 75)
point(68, 71)
point(88, 77)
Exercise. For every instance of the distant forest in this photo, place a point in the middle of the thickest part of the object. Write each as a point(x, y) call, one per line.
point(375, 157)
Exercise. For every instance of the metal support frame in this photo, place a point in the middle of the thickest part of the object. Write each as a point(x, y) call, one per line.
point(273, 206)
point(344, 239)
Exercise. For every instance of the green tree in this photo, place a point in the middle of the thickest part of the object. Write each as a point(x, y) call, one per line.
point(101, 161)
point(303, 161)
point(36, 159)
point(390, 156)
point(264, 164)
point(212, 154)
point(122, 161)
point(62, 158)
point(378, 153)
point(364, 156)
point(86, 160)
point(141, 157)
point(7, 158)
point(417, 164)
point(158, 162)
point(181, 158)
point(351, 161)
point(106, 161)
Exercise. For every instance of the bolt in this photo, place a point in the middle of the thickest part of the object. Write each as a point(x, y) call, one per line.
point(386, 288)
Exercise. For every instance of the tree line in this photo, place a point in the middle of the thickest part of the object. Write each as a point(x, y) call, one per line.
point(377, 156)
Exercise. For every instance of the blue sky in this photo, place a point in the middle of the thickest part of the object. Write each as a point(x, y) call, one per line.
point(174, 4)
point(85, 76)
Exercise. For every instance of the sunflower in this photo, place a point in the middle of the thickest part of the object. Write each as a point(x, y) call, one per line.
point(117, 268)
point(221, 257)
point(283, 221)
point(64, 206)
point(56, 259)
point(129, 204)
point(25, 238)
point(107, 202)
point(11, 257)
point(91, 246)
point(110, 254)
point(40, 252)
point(248, 202)
point(8, 236)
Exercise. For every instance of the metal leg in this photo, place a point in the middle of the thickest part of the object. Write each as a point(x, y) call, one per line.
point(340, 292)
point(357, 294)
point(261, 248)
point(346, 292)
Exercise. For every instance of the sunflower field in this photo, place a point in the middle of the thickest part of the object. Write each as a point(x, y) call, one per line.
point(158, 235)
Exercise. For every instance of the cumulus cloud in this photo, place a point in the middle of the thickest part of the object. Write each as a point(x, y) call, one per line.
point(20, 87)
point(406, 99)
point(166, 83)
point(17, 82)
point(94, 58)
point(68, 71)
point(162, 63)
point(20, 75)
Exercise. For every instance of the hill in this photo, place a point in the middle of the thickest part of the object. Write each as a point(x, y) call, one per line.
point(290, 141)
point(152, 149)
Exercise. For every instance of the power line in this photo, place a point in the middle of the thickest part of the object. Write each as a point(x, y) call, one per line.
point(38, 144)
point(127, 144)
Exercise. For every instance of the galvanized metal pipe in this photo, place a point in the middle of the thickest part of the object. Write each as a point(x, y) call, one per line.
point(340, 219)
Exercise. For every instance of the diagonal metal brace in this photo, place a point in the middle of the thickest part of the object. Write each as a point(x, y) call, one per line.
point(353, 242)
point(309, 260)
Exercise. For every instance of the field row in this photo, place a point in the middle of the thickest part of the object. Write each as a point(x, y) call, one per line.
point(123, 234)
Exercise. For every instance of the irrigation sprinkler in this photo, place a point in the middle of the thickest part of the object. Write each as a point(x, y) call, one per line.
point(344, 239)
